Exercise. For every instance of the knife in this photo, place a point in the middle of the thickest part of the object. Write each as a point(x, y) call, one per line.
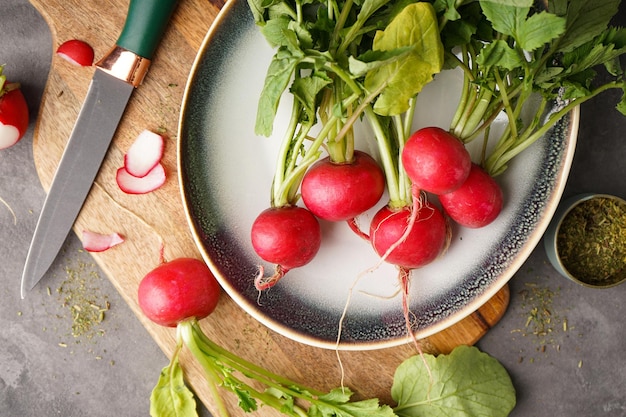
point(116, 76)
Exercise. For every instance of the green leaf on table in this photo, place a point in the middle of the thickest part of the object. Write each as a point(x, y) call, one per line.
point(465, 383)
point(171, 397)
point(337, 403)
point(244, 400)
point(401, 79)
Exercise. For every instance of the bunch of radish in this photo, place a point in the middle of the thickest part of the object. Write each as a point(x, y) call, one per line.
point(417, 169)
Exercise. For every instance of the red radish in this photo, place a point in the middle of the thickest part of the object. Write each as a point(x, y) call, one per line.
point(76, 52)
point(338, 192)
point(13, 112)
point(144, 154)
point(435, 160)
point(288, 236)
point(409, 237)
point(477, 202)
point(96, 242)
point(405, 242)
point(134, 185)
point(178, 290)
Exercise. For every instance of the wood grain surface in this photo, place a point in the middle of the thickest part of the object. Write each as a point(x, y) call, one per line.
point(151, 220)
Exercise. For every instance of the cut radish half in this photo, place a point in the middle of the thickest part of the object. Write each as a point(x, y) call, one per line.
point(135, 185)
point(96, 242)
point(76, 52)
point(144, 154)
point(9, 135)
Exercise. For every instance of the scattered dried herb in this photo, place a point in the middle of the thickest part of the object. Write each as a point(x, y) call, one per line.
point(80, 294)
point(592, 241)
point(540, 319)
point(543, 319)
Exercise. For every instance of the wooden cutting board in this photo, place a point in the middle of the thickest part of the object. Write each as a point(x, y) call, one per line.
point(155, 219)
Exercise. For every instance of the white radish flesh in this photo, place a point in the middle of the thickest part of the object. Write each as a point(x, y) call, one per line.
point(97, 242)
point(144, 154)
point(9, 135)
point(135, 185)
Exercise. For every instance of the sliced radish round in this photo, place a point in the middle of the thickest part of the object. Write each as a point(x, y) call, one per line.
point(76, 52)
point(96, 242)
point(144, 154)
point(9, 135)
point(135, 185)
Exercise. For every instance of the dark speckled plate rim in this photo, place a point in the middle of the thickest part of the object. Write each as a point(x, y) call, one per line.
point(310, 326)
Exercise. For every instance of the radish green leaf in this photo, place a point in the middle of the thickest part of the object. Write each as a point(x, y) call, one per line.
point(402, 79)
point(171, 397)
point(465, 383)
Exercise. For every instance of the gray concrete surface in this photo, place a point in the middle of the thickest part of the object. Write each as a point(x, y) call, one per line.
point(577, 369)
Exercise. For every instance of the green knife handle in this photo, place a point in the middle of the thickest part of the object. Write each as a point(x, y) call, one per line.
point(145, 24)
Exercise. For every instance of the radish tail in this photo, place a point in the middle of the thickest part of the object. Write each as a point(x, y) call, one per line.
point(261, 282)
point(10, 210)
point(354, 226)
point(404, 276)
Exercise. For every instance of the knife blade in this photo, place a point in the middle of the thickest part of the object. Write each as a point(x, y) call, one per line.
point(116, 76)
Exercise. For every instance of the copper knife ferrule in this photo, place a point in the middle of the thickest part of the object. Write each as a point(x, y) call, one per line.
point(125, 65)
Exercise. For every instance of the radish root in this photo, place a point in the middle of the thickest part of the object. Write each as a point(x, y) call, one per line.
point(261, 282)
point(354, 226)
point(10, 210)
point(341, 320)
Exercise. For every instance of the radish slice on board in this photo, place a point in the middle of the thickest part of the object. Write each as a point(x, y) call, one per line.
point(96, 242)
point(135, 185)
point(76, 52)
point(144, 154)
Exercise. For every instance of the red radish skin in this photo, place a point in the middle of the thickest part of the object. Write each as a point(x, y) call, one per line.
point(339, 192)
point(435, 160)
point(134, 185)
point(76, 52)
point(14, 116)
point(409, 238)
point(178, 290)
point(422, 244)
point(97, 242)
point(289, 237)
point(144, 154)
point(477, 203)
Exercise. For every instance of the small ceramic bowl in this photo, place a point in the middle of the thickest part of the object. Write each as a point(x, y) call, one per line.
point(552, 242)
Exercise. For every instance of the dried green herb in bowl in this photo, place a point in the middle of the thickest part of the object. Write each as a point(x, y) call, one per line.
point(586, 240)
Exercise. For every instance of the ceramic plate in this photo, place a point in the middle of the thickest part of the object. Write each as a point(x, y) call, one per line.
point(225, 175)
